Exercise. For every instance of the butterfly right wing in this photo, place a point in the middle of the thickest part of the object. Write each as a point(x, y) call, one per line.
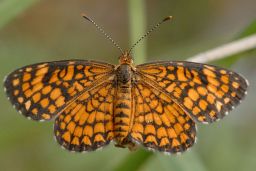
point(41, 91)
point(206, 92)
point(159, 123)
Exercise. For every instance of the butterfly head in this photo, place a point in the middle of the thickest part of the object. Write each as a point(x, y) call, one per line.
point(125, 58)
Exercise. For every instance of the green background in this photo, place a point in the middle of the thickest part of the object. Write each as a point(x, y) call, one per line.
point(33, 31)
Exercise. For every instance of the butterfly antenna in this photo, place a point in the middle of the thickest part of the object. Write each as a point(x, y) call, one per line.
point(152, 29)
point(103, 32)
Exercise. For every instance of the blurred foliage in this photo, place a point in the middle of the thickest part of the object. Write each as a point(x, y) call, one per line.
point(249, 30)
point(134, 160)
point(52, 30)
point(9, 9)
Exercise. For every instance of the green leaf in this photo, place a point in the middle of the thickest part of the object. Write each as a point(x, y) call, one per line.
point(249, 30)
point(187, 161)
point(134, 161)
point(9, 9)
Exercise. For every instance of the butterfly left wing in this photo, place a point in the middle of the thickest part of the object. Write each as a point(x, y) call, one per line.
point(207, 93)
point(159, 123)
point(87, 124)
point(42, 90)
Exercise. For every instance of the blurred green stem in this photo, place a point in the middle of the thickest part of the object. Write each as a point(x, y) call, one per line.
point(9, 9)
point(134, 160)
point(137, 18)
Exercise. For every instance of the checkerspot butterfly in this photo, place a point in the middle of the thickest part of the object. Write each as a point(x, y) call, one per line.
point(155, 105)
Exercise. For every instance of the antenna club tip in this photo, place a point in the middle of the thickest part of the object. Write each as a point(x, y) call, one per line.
point(167, 18)
point(85, 16)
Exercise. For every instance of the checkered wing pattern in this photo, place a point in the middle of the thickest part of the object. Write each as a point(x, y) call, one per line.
point(87, 124)
point(207, 93)
point(159, 123)
point(41, 91)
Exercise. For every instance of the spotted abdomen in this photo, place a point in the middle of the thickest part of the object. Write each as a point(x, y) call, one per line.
point(122, 114)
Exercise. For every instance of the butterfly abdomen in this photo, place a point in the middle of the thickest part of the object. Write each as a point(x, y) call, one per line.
point(122, 107)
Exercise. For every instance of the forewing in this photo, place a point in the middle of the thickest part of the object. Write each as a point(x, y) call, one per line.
point(159, 123)
point(87, 124)
point(41, 91)
point(206, 92)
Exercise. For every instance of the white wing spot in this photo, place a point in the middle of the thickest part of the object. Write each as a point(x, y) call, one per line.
point(178, 153)
point(5, 78)
point(55, 139)
point(14, 106)
point(247, 82)
point(195, 139)
point(99, 149)
point(62, 147)
point(205, 122)
point(167, 153)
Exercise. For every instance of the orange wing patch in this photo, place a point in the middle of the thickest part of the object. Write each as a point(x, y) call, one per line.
point(87, 124)
point(42, 90)
point(159, 123)
point(206, 92)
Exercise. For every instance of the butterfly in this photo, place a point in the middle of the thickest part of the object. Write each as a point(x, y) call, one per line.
point(155, 105)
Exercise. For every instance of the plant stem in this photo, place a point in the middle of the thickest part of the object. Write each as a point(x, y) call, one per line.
point(226, 50)
point(137, 18)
